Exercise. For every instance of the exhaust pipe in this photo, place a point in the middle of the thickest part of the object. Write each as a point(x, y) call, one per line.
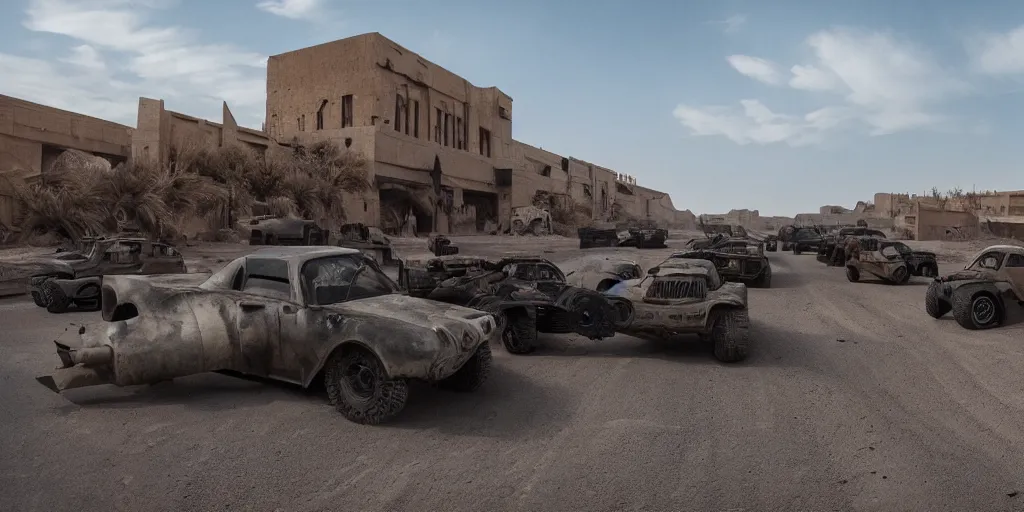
point(70, 375)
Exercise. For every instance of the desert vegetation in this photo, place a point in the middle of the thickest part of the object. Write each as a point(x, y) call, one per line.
point(81, 194)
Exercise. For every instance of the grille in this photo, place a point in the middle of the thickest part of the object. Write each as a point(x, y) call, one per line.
point(678, 288)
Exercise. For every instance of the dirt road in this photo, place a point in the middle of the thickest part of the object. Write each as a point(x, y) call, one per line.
point(853, 399)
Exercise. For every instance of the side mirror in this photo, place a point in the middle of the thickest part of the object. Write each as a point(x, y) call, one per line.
point(653, 271)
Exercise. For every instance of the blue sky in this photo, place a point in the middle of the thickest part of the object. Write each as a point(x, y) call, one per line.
point(780, 106)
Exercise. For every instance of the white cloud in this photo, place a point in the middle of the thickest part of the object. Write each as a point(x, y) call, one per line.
point(87, 57)
point(293, 9)
point(754, 67)
point(998, 54)
point(754, 123)
point(883, 83)
point(811, 78)
point(121, 55)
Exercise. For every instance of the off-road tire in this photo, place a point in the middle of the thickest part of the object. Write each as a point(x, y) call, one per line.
point(473, 373)
point(593, 306)
point(58, 300)
point(730, 335)
point(901, 275)
point(967, 309)
point(520, 334)
point(852, 274)
point(39, 299)
point(929, 271)
point(90, 305)
point(933, 303)
point(765, 281)
point(388, 396)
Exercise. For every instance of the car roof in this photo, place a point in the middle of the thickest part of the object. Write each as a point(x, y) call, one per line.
point(1016, 249)
point(300, 253)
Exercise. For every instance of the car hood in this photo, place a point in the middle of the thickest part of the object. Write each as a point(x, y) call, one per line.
point(419, 312)
point(33, 267)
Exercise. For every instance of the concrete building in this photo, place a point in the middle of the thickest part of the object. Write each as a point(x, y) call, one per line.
point(440, 148)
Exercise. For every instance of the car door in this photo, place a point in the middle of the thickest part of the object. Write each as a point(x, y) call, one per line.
point(548, 279)
point(1014, 268)
point(264, 293)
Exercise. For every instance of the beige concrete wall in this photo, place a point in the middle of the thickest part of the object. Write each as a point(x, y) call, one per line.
point(942, 225)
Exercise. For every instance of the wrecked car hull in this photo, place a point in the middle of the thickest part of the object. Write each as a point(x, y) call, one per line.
point(164, 327)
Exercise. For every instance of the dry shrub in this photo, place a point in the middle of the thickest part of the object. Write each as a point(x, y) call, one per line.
point(80, 195)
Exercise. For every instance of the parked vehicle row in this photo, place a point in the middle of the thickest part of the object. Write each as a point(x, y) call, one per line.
point(329, 315)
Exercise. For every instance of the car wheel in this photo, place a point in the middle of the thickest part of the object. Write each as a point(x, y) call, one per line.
point(359, 388)
point(975, 310)
point(934, 304)
point(852, 274)
point(38, 298)
point(473, 373)
point(58, 300)
point(928, 271)
point(900, 275)
point(520, 334)
point(730, 334)
point(796, 250)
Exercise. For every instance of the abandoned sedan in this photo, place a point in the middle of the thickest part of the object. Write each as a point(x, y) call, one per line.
point(687, 296)
point(978, 294)
point(295, 314)
point(529, 295)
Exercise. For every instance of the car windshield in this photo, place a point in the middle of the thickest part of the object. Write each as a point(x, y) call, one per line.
point(338, 279)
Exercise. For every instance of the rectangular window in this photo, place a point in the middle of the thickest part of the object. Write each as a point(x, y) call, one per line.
point(320, 115)
point(405, 112)
point(399, 108)
point(346, 111)
point(447, 121)
point(416, 118)
point(437, 125)
point(485, 142)
point(458, 133)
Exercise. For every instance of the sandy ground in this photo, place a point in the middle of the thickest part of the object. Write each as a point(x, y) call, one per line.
point(852, 399)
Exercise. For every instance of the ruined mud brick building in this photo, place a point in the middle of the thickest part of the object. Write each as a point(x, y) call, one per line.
point(440, 148)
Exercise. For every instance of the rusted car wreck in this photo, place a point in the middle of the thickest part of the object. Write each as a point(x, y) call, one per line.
point(688, 296)
point(296, 314)
point(979, 295)
point(528, 294)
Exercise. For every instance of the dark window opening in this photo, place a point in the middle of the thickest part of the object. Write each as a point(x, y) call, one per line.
point(485, 142)
point(1015, 260)
point(465, 127)
point(458, 133)
point(399, 109)
point(437, 125)
point(447, 121)
point(346, 111)
point(416, 118)
point(546, 171)
point(565, 164)
point(320, 115)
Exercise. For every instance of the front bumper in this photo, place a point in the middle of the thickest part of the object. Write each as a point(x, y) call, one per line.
point(667, 319)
